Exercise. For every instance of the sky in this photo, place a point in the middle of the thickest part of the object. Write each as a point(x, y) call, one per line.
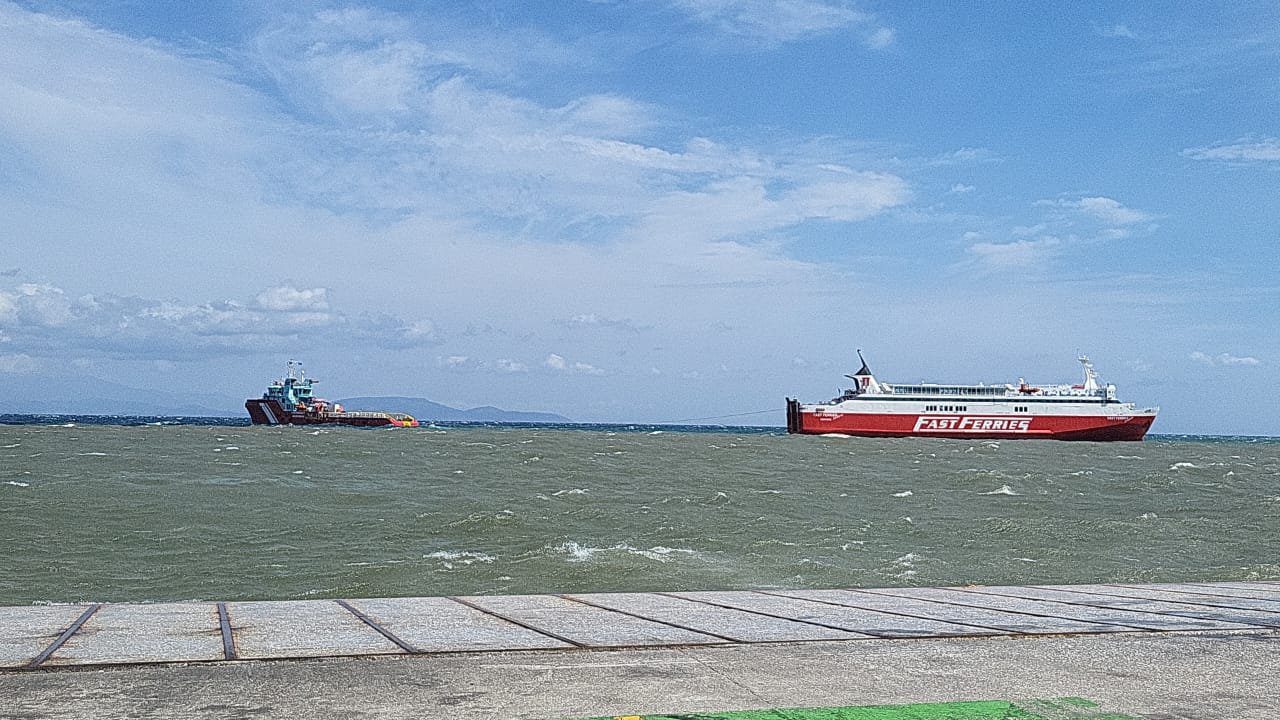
point(643, 210)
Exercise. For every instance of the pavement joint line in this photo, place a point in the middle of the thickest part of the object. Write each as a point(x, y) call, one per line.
point(1002, 631)
point(1203, 603)
point(63, 637)
point(1132, 610)
point(513, 621)
point(1027, 613)
point(1223, 591)
point(228, 638)
point(376, 626)
point(677, 626)
point(867, 633)
point(979, 593)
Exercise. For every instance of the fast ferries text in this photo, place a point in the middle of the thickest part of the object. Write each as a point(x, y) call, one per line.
point(956, 423)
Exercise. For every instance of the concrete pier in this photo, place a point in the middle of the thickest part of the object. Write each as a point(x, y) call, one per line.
point(559, 631)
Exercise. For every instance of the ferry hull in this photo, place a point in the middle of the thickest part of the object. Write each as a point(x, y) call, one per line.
point(272, 412)
point(969, 425)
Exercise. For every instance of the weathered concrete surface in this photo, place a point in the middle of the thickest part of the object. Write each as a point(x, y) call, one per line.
point(26, 631)
point(302, 628)
point(1164, 675)
point(444, 625)
point(877, 624)
point(586, 625)
point(972, 617)
point(163, 632)
point(737, 625)
point(1223, 618)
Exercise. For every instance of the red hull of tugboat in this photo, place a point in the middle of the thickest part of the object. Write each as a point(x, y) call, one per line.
point(272, 412)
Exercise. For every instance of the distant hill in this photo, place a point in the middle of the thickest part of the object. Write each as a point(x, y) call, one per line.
point(72, 395)
point(424, 409)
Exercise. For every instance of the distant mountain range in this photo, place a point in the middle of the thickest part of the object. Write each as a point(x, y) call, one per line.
point(43, 394)
point(425, 410)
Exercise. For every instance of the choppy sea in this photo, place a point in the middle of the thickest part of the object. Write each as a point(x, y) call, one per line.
point(151, 509)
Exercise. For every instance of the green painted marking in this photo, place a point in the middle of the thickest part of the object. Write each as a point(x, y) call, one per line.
point(1059, 709)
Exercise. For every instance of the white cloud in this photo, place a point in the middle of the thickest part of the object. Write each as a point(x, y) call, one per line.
point(507, 365)
point(559, 363)
point(1118, 30)
point(18, 364)
point(586, 320)
point(49, 323)
point(287, 298)
point(1265, 149)
point(881, 38)
point(961, 188)
point(1223, 359)
point(1104, 209)
point(772, 21)
point(1016, 254)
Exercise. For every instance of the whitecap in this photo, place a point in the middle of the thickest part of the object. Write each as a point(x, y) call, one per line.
point(1149, 516)
point(835, 435)
point(577, 553)
point(1002, 490)
point(573, 491)
point(232, 447)
point(94, 454)
point(1179, 466)
point(69, 425)
point(452, 558)
point(656, 432)
point(904, 493)
point(297, 472)
point(12, 446)
point(16, 483)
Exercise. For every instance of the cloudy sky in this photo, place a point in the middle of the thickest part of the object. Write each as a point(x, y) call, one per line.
point(643, 210)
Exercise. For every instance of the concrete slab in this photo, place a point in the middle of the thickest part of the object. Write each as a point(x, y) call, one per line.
point(813, 606)
point(135, 633)
point(25, 632)
point(731, 624)
point(586, 625)
point(436, 624)
point(1253, 590)
point(897, 601)
point(1195, 595)
point(998, 596)
point(302, 628)
point(1218, 619)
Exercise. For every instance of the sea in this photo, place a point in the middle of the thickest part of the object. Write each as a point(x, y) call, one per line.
point(163, 509)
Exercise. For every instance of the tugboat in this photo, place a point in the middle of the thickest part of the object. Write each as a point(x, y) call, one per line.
point(290, 401)
point(1086, 411)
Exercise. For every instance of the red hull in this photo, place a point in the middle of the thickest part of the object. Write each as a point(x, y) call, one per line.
point(272, 412)
point(972, 425)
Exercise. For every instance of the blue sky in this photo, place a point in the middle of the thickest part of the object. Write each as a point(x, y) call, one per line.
point(643, 211)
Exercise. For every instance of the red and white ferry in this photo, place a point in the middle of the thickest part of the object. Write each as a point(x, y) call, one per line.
point(1088, 411)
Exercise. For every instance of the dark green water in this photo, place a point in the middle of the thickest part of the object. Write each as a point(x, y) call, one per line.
point(175, 513)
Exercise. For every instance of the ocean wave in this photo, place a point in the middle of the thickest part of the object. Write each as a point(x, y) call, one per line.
point(453, 558)
point(583, 553)
point(1002, 490)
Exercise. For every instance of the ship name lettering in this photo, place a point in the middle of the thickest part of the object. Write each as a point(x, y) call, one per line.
point(972, 424)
